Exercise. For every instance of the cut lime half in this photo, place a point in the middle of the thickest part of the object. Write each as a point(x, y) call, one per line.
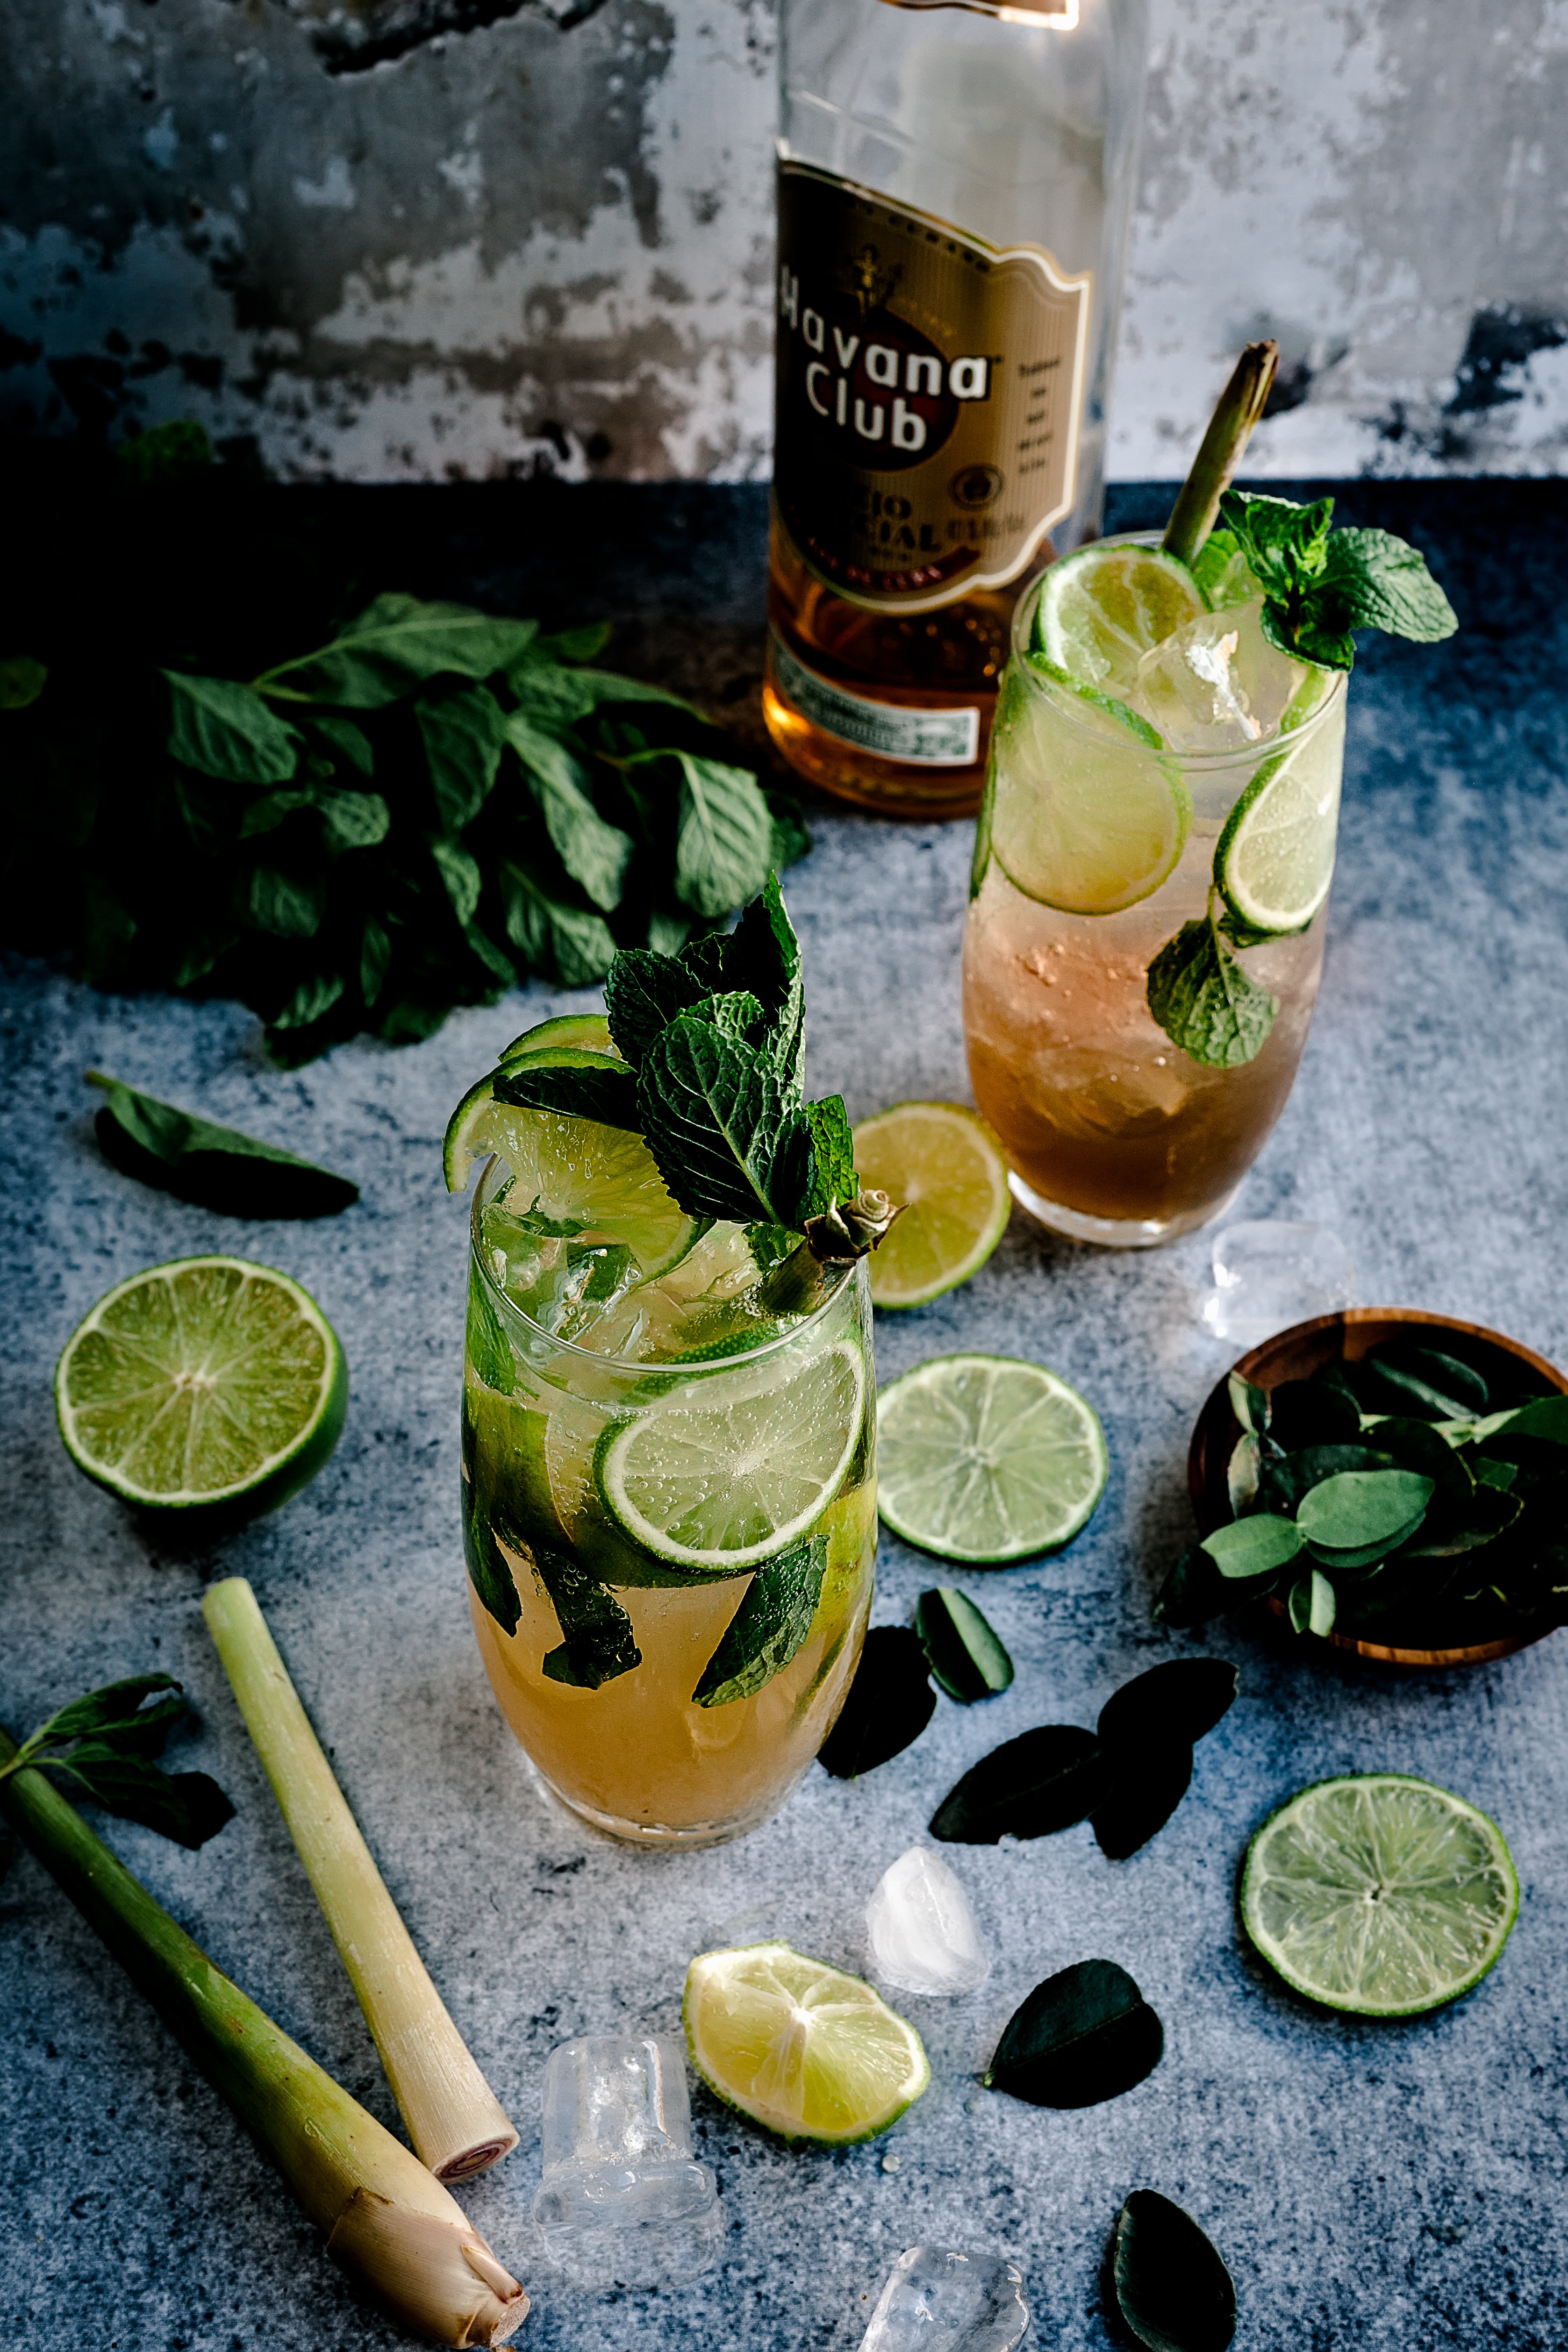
point(589, 1030)
point(987, 1459)
point(725, 1472)
point(799, 2047)
point(206, 1385)
point(1087, 813)
point(951, 1173)
point(1274, 860)
point(1379, 1894)
point(1102, 610)
point(478, 1122)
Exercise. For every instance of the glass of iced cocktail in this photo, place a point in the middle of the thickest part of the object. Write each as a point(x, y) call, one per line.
point(1157, 843)
point(668, 1414)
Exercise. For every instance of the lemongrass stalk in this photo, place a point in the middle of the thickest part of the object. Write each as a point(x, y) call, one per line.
point(851, 1229)
point(454, 2118)
point(1230, 428)
point(389, 2222)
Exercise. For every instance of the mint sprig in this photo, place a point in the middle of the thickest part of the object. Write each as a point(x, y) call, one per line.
point(1205, 1002)
point(1321, 584)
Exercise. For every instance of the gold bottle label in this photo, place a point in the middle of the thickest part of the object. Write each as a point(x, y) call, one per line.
point(928, 392)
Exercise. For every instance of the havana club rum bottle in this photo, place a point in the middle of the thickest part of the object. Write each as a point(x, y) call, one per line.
point(954, 184)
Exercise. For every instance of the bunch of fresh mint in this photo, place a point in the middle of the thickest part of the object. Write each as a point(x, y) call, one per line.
point(714, 1041)
point(427, 805)
point(1318, 586)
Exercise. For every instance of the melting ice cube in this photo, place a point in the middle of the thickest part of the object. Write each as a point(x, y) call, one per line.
point(1270, 1274)
point(1217, 684)
point(623, 2201)
point(922, 1932)
point(940, 2301)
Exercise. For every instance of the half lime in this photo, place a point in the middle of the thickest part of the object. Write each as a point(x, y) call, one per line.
point(205, 1386)
point(987, 1459)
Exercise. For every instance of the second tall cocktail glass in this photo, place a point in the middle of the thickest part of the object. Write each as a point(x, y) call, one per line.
point(1113, 1133)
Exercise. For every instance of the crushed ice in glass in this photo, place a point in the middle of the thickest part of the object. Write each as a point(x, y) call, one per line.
point(1270, 1274)
point(937, 2300)
point(922, 1932)
point(1217, 684)
point(623, 2201)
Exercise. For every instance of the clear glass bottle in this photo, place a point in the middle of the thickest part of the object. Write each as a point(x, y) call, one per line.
point(955, 182)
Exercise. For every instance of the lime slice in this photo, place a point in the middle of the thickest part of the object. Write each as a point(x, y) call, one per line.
point(589, 1030)
point(987, 1459)
point(1086, 813)
point(1102, 610)
point(1275, 860)
point(1379, 1894)
point(209, 1384)
point(803, 2049)
point(477, 1125)
point(948, 1169)
point(722, 1474)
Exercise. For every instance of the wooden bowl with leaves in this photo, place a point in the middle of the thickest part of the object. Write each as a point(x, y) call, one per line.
point(1304, 1352)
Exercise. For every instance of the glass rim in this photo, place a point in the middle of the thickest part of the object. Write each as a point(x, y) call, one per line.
point(1218, 762)
point(642, 1366)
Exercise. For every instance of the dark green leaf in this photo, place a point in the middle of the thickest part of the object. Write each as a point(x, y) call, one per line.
point(1312, 1603)
point(1205, 1003)
point(831, 1176)
point(1382, 583)
point(215, 1167)
point(1146, 1786)
point(394, 644)
point(461, 876)
point(1455, 1525)
point(1546, 1418)
point(115, 1708)
point(288, 906)
point(1411, 1444)
point(1310, 1413)
point(351, 741)
point(1194, 1592)
point(1171, 2288)
point(1243, 1472)
point(1285, 1481)
point(464, 734)
point(1209, 564)
point(490, 1571)
point(574, 1082)
point(1030, 1787)
point(352, 820)
point(226, 729)
point(643, 995)
point(773, 1619)
point(762, 954)
point(1420, 1381)
point(728, 1139)
point(572, 944)
point(22, 680)
point(188, 1807)
point(311, 1001)
point(165, 454)
point(599, 1645)
point(1087, 2034)
point(887, 1707)
point(789, 836)
point(374, 955)
point(966, 1656)
point(723, 851)
point(1250, 1405)
point(594, 854)
point(562, 696)
point(1358, 1507)
point(1180, 1701)
point(1255, 1545)
point(579, 644)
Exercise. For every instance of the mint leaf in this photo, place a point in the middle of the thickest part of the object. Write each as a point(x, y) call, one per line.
point(288, 906)
point(644, 993)
point(736, 1011)
point(489, 1571)
point(311, 1001)
point(594, 853)
point(188, 1807)
point(578, 1086)
point(1384, 583)
point(568, 943)
point(1321, 585)
point(599, 1645)
point(773, 1619)
point(214, 1167)
point(1205, 1003)
point(117, 1709)
point(345, 738)
point(578, 644)
point(728, 1136)
point(723, 849)
point(762, 954)
point(22, 680)
point(225, 730)
point(831, 1175)
point(394, 644)
point(463, 734)
point(349, 820)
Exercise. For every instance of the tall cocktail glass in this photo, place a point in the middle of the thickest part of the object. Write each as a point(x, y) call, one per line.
point(659, 1701)
point(1113, 1133)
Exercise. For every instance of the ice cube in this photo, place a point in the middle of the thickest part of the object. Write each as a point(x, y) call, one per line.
point(622, 2202)
point(1270, 1274)
point(922, 1933)
point(1217, 684)
point(937, 2300)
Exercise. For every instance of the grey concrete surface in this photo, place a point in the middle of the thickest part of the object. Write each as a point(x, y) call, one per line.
point(1391, 2189)
point(430, 239)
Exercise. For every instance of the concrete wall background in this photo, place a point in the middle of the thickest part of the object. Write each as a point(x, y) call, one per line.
point(417, 240)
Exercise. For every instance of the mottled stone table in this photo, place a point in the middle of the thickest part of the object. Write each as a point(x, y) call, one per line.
point(1395, 2189)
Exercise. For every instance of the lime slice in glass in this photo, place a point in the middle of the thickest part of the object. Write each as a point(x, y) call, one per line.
point(207, 1385)
point(1102, 610)
point(589, 1030)
point(1275, 858)
point(1379, 1894)
point(479, 1120)
point(949, 1171)
point(721, 1474)
point(986, 1459)
point(800, 2047)
point(1085, 814)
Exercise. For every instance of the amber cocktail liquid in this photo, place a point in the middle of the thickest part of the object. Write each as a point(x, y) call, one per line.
point(1113, 1132)
point(954, 191)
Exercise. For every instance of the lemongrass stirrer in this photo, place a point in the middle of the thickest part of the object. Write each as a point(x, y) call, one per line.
point(397, 2232)
point(452, 2116)
point(1230, 428)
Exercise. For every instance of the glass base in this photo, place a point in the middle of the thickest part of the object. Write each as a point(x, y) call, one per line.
point(714, 1833)
point(1114, 1232)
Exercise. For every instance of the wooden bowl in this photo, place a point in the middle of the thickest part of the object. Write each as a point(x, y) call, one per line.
point(1295, 1354)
